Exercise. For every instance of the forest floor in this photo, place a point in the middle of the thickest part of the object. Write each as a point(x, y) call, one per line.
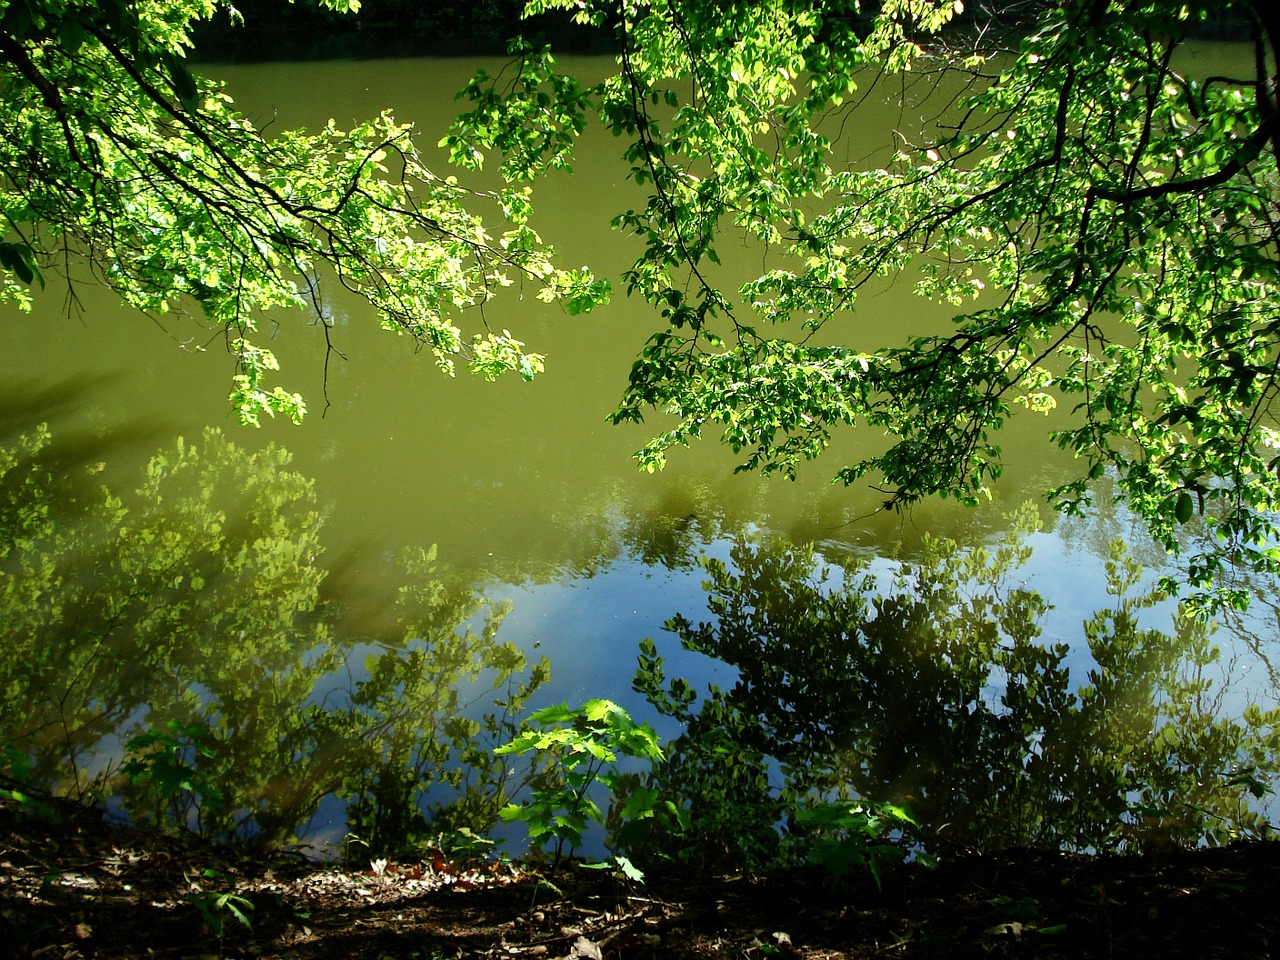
point(77, 888)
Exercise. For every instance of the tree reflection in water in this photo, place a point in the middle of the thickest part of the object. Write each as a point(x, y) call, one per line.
point(931, 687)
point(193, 611)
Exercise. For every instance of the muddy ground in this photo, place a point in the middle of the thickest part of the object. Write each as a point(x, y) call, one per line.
point(81, 889)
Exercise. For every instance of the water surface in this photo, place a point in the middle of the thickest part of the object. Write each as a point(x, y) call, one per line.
point(455, 521)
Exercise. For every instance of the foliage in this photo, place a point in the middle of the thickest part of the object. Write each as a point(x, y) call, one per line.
point(719, 782)
point(842, 835)
point(930, 688)
point(18, 763)
point(165, 762)
point(203, 590)
point(411, 734)
point(118, 156)
point(217, 908)
point(1099, 220)
point(621, 868)
point(188, 619)
point(585, 744)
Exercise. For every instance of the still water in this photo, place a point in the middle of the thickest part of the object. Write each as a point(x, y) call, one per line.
point(339, 621)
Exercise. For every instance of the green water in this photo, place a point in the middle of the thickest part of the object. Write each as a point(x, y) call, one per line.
point(544, 537)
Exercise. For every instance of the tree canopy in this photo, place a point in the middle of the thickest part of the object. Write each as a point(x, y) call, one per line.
point(116, 155)
point(1100, 220)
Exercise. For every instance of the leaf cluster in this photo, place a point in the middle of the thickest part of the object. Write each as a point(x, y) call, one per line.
point(585, 746)
point(1100, 220)
point(118, 157)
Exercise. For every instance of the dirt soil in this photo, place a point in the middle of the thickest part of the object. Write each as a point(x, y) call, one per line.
point(81, 889)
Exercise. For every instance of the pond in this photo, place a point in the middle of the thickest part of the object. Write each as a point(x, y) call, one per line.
point(326, 642)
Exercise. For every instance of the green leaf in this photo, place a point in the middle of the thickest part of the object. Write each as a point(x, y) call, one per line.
point(71, 34)
point(629, 870)
point(16, 258)
point(184, 85)
point(1184, 507)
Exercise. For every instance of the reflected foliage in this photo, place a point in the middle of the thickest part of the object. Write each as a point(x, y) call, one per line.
point(189, 617)
point(930, 685)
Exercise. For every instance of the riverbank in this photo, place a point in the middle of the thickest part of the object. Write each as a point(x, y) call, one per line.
point(282, 30)
point(78, 888)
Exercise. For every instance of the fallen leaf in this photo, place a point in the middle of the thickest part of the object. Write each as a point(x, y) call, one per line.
point(1000, 929)
point(586, 949)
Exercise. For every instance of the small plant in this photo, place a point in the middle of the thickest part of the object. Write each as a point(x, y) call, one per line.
point(463, 843)
point(620, 867)
point(218, 908)
point(844, 835)
point(586, 744)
